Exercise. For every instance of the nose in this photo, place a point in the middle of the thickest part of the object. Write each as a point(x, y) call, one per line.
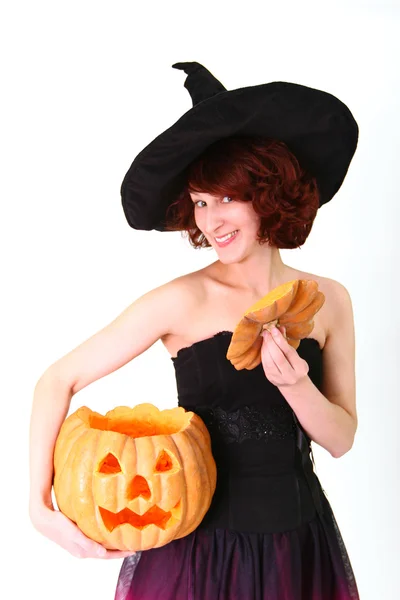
point(138, 487)
point(213, 219)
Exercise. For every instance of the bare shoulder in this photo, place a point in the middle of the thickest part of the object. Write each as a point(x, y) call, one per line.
point(338, 301)
point(187, 293)
point(325, 284)
point(341, 323)
point(337, 305)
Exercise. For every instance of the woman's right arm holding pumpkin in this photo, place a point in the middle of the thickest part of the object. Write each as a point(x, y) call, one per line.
point(138, 327)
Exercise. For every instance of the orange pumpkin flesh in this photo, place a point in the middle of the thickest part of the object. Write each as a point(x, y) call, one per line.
point(136, 478)
point(292, 304)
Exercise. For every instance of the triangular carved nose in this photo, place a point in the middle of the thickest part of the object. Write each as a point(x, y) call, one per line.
point(138, 487)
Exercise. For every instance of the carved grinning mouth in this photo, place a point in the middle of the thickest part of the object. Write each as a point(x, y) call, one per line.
point(154, 516)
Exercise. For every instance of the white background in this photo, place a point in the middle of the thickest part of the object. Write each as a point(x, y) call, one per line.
point(85, 86)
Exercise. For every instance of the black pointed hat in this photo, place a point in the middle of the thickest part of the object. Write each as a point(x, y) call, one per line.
point(316, 126)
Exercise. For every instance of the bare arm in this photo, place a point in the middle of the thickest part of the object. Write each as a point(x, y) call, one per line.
point(329, 416)
point(136, 329)
point(50, 405)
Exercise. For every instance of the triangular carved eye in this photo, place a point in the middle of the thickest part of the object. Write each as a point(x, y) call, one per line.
point(164, 462)
point(110, 464)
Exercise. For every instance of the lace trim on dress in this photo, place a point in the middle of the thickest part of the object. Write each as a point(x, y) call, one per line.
point(248, 422)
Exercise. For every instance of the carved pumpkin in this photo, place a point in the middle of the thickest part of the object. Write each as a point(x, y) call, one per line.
point(135, 478)
point(292, 304)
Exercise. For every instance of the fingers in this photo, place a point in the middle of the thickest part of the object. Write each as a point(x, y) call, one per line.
point(277, 360)
point(93, 550)
point(64, 532)
point(282, 353)
point(118, 553)
point(266, 351)
point(87, 548)
point(274, 351)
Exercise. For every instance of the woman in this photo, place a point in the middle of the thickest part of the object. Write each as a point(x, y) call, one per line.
point(270, 532)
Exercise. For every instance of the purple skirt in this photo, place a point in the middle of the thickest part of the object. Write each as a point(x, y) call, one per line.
point(306, 563)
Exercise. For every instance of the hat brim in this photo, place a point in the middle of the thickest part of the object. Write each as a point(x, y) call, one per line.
point(316, 126)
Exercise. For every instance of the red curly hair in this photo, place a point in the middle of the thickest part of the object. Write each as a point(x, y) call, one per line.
point(256, 169)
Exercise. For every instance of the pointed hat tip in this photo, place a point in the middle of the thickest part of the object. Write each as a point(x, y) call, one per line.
point(188, 67)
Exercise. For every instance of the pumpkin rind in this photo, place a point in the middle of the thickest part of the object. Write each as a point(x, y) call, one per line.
point(292, 304)
point(136, 478)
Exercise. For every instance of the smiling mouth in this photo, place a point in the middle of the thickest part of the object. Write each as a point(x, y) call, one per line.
point(154, 516)
point(228, 241)
point(223, 238)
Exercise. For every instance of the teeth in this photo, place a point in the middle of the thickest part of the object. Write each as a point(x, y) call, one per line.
point(226, 237)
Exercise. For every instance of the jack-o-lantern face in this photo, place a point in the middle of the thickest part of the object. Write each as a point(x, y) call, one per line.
point(137, 488)
point(139, 493)
point(135, 478)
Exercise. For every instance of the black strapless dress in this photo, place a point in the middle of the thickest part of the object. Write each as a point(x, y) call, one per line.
point(270, 533)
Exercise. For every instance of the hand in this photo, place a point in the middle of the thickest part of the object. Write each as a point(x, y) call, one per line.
point(281, 363)
point(64, 532)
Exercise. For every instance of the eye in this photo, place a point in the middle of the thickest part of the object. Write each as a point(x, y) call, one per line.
point(197, 202)
point(228, 197)
point(109, 465)
point(164, 462)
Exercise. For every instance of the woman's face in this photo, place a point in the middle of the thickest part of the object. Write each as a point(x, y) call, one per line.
point(216, 217)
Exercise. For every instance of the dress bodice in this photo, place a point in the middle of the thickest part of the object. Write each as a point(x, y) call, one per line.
point(265, 480)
